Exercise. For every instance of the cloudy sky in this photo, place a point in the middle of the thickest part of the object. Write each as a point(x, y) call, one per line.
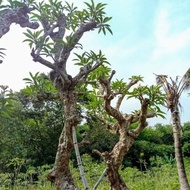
point(149, 36)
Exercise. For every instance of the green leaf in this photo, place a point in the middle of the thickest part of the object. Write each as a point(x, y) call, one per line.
point(161, 115)
point(27, 79)
point(4, 114)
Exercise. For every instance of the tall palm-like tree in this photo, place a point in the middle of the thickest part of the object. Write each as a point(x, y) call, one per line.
point(174, 89)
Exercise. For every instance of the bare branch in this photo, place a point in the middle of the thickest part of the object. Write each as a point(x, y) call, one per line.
point(107, 100)
point(83, 74)
point(18, 16)
point(97, 152)
point(61, 22)
point(121, 97)
point(47, 33)
point(136, 116)
point(85, 140)
point(119, 101)
point(55, 36)
point(38, 58)
point(111, 127)
point(142, 118)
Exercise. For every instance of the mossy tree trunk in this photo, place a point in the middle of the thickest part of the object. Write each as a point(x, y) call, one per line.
point(60, 174)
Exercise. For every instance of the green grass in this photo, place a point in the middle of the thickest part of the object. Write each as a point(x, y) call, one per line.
point(29, 187)
point(162, 177)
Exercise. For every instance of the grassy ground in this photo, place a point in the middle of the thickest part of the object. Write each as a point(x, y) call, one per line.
point(162, 177)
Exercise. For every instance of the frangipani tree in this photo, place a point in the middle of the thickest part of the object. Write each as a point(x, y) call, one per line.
point(174, 90)
point(61, 28)
point(107, 97)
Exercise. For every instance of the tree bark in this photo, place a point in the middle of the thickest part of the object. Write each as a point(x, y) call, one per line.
point(60, 174)
point(126, 135)
point(184, 185)
point(17, 15)
point(114, 159)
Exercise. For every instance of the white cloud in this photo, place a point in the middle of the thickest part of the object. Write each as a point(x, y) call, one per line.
point(168, 42)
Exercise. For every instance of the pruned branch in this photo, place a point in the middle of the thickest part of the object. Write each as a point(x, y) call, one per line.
point(81, 77)
point(95, 151)
point(38, 58)
point(112, 127)
point(136, 117)
point(142, 118)
point(19, 16)
point(107, 100)
point(122, 95)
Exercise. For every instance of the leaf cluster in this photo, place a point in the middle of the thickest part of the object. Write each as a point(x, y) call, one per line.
point(33, 38)
point(91, 61)
point(96, 13)
point(6, 102)
point(119, 86)
point(153, 93)
point(89, 58)
point(93, 13)
point(38, 83)
point(49, 15)
point(48, 11)
point(94, 104)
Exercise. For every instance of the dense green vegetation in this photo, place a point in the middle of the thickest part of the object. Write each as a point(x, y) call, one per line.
point(161, 175)
point(29, 132)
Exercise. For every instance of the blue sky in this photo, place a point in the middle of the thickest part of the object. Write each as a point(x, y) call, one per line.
point(149, 36)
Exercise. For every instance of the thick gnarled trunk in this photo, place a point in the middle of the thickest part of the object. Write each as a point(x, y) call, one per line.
point(184, 185)
point(115, 179)
point(60, 174)
point(126, 135)
point(113, 160)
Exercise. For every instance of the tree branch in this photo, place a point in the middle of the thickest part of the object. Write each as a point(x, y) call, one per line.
point(38, 58)
point(83, 74)
point(142, 118)
point(110, 126)
point(85, 27)
point(61, 23)
point(137, 117)
point(107, 100)
point(120, 98)
point(97, 152)
point(76, 36)
point(18, 16)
